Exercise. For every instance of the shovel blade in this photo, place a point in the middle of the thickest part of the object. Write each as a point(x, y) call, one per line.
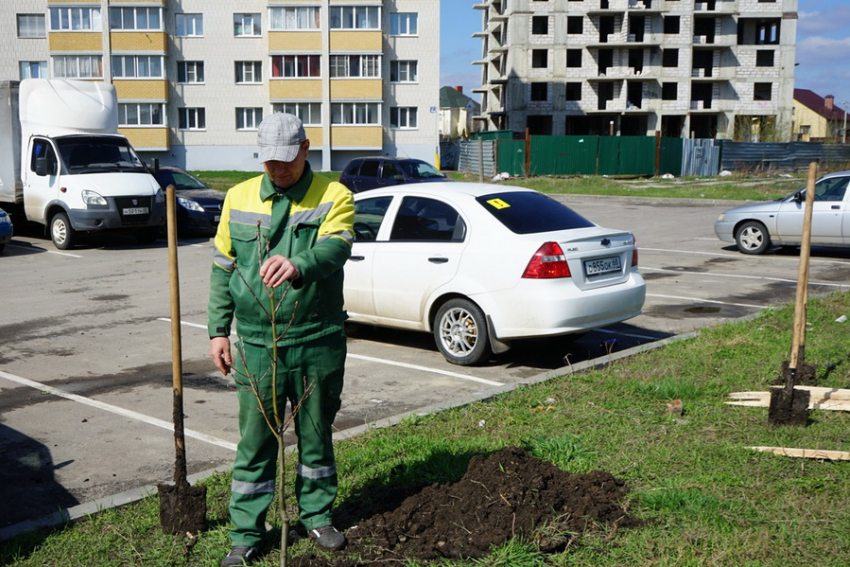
point(182, 508)
point(788, 408)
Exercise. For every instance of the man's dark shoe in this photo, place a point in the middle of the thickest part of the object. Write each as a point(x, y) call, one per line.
point(240, 555)
point(328, 538)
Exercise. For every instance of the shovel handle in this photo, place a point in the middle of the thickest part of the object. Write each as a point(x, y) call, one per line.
point(798, 340)
point(176, 342)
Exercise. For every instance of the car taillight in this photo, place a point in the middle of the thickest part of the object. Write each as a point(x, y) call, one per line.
point(635, 254)
point(548, 262)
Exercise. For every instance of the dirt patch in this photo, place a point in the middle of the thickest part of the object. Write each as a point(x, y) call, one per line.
point(507, 494)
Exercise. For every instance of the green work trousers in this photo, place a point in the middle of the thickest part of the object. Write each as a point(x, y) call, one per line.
point(317, 368)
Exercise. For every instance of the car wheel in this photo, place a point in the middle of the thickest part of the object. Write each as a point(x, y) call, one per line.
point(752, 238)
point(460, 331)
point(62, 233)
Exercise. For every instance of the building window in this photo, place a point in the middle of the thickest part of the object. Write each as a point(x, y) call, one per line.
point(670, 58)
point(135, 19)
point(670, 91)
point(575, 25)
point(355, 18)
point(671, 25)
point(75, 19)
point(764, 58)
point(192, 118)
point(539, 92)
point(189, 25)
point(540, 25)
point(31, 25)
point(247, 25)
point(767, 32)
point(573, 58)
point(404, 24)
point(78, 66)
point(356, 113)
point(403, 117)
point(539, 58)
point(248, 118)
point(140, 114)
point(355, 66)
point(296, 66)
point(137, 66)
point(249, 72)
point(762, 91)
point(573, 91)
point(190, 71)
point(310, 113)
point(403, 72)
point(33, 70)
point(289, 19)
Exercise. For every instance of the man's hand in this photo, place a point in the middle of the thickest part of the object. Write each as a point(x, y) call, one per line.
point(277, 270)
point(220, 351)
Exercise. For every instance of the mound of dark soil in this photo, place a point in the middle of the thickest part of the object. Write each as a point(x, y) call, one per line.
point(510, 493)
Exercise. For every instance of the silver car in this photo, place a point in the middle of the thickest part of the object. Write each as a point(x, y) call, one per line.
point(758, 226)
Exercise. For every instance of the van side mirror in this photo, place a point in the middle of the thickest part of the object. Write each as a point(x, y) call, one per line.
point(41, 166)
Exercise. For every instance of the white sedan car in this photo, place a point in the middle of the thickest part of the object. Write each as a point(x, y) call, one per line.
point(482, 265)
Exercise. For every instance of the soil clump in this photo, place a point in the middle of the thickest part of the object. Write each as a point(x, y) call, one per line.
point(507, 494)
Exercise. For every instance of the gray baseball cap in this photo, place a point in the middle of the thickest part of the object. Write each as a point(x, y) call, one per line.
point(279, 137)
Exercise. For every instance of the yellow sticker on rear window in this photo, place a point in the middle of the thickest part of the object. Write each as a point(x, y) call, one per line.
point(498, 204)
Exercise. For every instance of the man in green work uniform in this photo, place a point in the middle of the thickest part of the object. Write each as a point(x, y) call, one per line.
point(290, 231)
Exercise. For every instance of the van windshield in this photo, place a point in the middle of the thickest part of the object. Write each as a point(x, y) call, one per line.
point(98, 154)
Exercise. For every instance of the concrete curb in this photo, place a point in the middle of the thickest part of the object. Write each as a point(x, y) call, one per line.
point(134, 495)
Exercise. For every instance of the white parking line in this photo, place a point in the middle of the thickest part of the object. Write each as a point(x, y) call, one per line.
point(737, 255)
point(44, 250)
point(384, 361)
point(117, 410)
point(739, 276)
point(701, 300)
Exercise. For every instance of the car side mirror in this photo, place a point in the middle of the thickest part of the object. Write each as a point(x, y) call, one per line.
point(798, 197)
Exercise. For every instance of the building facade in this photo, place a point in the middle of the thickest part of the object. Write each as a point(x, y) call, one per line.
point(196, 77)
point(687, 68)
point(819, 119)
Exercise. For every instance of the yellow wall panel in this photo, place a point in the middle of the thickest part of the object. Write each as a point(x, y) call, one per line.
point(316, 135)
point(136, 1)
point(147, 138)
point(75, 41)
point(295, 41)
point(138, 41)
point(357, 41)
point(295, 89)
point(357, 137)
point(141, 89)
point(356, 88)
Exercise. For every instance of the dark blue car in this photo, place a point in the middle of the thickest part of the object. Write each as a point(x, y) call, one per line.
point(198, 206)
point(362, 174)
point(6, 229)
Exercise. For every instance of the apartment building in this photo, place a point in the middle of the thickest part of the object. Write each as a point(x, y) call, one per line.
point(687, 68)
point(196, 77)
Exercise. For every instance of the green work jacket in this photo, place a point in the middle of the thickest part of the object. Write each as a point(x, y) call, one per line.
point(312, 225)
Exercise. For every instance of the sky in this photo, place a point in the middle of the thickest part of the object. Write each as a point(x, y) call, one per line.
point(823, 47)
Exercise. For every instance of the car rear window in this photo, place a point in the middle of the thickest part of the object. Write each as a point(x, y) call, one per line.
point(524, 212)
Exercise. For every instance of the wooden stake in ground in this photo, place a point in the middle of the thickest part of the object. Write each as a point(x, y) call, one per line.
point(182, 507)
point(787, 405)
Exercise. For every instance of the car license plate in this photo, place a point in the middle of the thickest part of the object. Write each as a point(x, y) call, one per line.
point(602, 266)
point(136, 211)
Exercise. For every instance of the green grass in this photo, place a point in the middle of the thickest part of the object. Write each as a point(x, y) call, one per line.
point(708, 499)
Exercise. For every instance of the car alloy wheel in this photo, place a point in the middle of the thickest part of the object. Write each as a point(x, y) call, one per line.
point(752, 238)
point(461, 332)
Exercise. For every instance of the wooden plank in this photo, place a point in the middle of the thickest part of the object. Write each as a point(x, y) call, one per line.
point(816, 392)
point(806, 453)
point(831, 405)
point(835, 399)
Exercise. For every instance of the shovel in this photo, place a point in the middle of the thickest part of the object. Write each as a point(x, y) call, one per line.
point(787, 405)
point(182, 507)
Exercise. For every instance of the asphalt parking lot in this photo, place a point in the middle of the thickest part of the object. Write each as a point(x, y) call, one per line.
point(85, 350)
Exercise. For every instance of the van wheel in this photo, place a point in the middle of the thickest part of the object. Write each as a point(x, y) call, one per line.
point(460, 331)
point(62, 233)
